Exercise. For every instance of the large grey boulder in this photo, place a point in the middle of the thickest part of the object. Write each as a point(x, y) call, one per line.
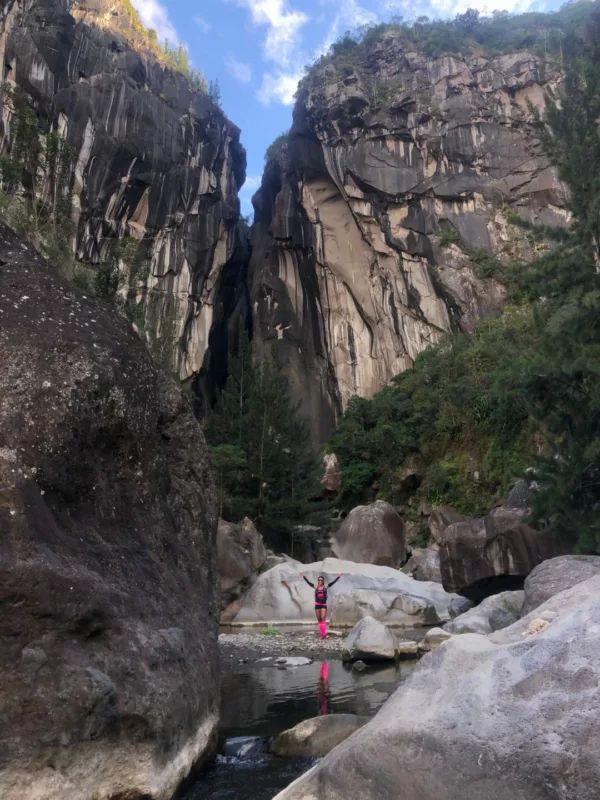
point(280, 595)
point(108, 578)
point(369, 640)
point(492, 614)
point(556, 575)
point(316, 737)
point(472, 721)
point(424, 565)
point(479, 556)
point(372, 534)
point(439, 519)
point(241, 554)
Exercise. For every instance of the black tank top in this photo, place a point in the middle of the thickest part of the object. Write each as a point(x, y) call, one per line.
point(321, 596)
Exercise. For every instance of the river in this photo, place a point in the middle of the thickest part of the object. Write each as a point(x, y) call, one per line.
point(259, 701)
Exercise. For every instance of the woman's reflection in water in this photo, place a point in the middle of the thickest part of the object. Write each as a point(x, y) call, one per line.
point(323, 690)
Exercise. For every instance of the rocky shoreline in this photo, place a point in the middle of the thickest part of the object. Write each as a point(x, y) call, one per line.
point(252, 645)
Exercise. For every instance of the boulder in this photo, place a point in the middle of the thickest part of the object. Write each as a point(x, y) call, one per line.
point(424, 565)
point(471, 721)
point(274, 560)
point(459, 605)
point(108, 593)
point(241, 554)
point(407, 649)
point(372, 534)
point(481, 557)
point(369, 640)
point(556, 575)
point(280, 595)
point(434, 638)
point(492, 614)
point(439, 518)
point(316, 737)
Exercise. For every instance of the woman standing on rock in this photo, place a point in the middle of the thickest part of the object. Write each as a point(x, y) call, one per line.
point(321, 600)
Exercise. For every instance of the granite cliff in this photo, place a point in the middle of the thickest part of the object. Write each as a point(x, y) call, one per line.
point(400, 177)
point(152, 159)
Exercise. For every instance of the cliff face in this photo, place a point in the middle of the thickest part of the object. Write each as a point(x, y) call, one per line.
point(108, 582)
point(152, 160)
point(399, 173)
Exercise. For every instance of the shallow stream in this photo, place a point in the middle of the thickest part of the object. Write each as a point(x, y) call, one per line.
point(261, 701)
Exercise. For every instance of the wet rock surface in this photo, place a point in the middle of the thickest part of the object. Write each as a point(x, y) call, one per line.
point(314, 738)
point(107, 550)
point(399, 172)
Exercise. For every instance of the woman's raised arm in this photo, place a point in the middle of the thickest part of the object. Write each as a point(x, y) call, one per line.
point(335, 580)
point(306, 579)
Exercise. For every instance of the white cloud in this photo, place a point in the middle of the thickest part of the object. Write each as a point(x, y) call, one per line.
point(154, 15)
point(202, 24)
point(280, 87)
point(237, 69)
point(252, 183)
point(350, 16)
point(283, 28)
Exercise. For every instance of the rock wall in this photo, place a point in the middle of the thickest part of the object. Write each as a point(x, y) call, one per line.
point(152, 160)
point(108, 580)
point(399, 173)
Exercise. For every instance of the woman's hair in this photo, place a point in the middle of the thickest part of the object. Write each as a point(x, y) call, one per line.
point(322, 578)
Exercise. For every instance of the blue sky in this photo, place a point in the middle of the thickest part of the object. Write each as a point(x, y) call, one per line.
point(257, 49)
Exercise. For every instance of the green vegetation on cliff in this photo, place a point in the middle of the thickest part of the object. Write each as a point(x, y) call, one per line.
point(523, 393)
point(538, 32)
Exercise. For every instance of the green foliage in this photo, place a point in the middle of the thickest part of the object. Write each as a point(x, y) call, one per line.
point(214, 92)
point(274, 148)
point(270, 630)
point(261, 449)
point(448, 236)
point(175, 57)
point(471, 32)
point(451, 415)
point(36, 175)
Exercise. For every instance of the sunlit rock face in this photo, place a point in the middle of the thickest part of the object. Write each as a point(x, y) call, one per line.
point(400, 176)
point(152, 160)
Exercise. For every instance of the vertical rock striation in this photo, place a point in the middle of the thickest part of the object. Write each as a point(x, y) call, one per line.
point(400, 173)
point(152, 160)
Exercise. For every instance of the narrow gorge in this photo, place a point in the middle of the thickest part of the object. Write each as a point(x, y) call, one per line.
point(173, 374)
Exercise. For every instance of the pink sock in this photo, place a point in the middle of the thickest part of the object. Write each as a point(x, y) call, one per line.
point(321, 628)
point(325, 628)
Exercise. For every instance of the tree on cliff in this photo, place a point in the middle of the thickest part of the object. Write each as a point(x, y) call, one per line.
point(261, 448)
point(562, 381)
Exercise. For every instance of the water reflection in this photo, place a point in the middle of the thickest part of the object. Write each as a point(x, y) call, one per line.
point(323, 690)
point(262, 701)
